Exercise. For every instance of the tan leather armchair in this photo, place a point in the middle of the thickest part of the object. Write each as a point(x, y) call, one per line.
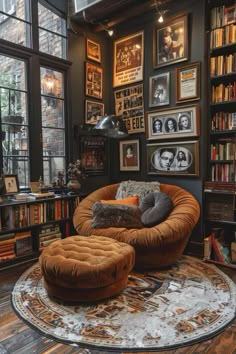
point(157, 246)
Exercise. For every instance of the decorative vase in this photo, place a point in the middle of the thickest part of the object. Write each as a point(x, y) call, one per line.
point(74, 185)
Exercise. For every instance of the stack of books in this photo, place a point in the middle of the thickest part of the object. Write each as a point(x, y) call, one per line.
point(7, 247)
point(23, 243)
point(49, 234)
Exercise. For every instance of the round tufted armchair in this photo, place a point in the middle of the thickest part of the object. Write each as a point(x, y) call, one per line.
point(157, 246)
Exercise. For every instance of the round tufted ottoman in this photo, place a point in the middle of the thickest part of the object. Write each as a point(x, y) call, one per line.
point(80, 268)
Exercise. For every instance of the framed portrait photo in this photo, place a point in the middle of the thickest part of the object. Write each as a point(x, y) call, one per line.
point(93, 111)
point(128, 59)
point(173, 123)
point(170, 43)
point(93, 80)
point(93, 50)
point(11, 184)
point(177, 158)
point(129, 155)
point(187, 83)
point(159, 90)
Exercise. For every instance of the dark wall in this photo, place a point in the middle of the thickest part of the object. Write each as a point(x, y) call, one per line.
point(196, 32)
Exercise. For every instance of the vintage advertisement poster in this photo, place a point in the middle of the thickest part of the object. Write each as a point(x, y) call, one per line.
point(93, 154)
point(128, 60)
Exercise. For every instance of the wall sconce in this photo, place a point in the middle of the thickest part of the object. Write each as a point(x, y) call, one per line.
point(109, 31)
point(49, 86)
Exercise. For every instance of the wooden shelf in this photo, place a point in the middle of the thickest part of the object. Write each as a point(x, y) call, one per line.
point(228, 265)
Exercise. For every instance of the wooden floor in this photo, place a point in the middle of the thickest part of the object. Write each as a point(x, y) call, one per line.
point(17, 338)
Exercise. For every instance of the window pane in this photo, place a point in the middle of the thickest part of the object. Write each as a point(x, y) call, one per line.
point(51, 167)
point(52, 83)
point(51, 21)
point(56, 118)
point(53, 142)
point(52, 44)
point(12, 73)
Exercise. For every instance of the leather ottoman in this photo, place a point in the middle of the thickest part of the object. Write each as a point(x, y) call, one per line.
point(85, 269)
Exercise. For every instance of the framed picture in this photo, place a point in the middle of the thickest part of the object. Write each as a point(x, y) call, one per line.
point(11, 184)
point(177, 158)
point(93, 80)
point(93, 152)
point(187, 83)
point(129, 105)
point(173, 123)
point(129, 155)
point(93, 111)
point(159, 90)
point(93, 50)
point(229, 14)
point(128, 59)
point(170, 43)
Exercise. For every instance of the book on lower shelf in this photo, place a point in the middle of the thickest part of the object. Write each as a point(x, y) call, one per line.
point(216, 249)
point(23, 243)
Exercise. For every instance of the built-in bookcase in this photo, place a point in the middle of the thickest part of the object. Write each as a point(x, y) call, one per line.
point(220, 187)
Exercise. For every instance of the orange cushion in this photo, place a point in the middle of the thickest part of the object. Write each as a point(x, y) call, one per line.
point(130, 201)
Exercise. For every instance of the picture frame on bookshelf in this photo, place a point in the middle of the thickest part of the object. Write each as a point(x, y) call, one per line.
point(93, 80)
point(177, 158)
point(129, 155)
point(128, 59)
point(93, 50)
point(159, 90)
point(93, 111)
point(229, 14)
point(173, 123)
point(170, 43)
point(187, 86)
point(11, 184)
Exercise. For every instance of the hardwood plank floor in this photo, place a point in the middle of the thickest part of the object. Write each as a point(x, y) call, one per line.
point(17, 338)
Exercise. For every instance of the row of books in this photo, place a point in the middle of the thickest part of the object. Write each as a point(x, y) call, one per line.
point(216, 248)
point(219, 207)
point(223, 172)
point(18, 216)
point(223, 121)
point(219, 186)
point(223, 64)
point(222, 15)
point(223, 92)
point(222, 151)
point(13, 245)
point(48, 234)
point(223, 36)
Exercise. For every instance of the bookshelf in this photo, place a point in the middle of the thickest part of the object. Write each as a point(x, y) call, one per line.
point(220, 186)
point(27, 226)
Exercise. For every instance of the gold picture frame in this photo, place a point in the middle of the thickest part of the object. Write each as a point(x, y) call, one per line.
point(93, 80)
point(187, 86)
point(93, 50)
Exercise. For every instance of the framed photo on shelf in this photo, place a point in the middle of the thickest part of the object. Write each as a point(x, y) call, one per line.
point(173, 123)
point(129, 155)
point(93, 50)
point(159, 90)
point(187, 83)
point(128, 59)
point(177, 158)
point(93, 152)
point(129, 105)
point(229, 14)
point(11, 184)
point(93, 111)
point(170, 43)
point(93, 80)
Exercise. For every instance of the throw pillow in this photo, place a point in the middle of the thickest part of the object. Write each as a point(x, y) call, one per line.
point(116, 215)
point(129, 188)
point(130, 201)
point(155, 208)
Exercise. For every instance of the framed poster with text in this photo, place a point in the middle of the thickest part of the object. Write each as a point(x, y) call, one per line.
point(128, 60)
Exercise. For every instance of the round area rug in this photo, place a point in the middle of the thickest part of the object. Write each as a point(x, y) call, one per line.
point(165, 309)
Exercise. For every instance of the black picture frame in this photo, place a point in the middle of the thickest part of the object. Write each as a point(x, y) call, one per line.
point(93, 153)
point(159, 90)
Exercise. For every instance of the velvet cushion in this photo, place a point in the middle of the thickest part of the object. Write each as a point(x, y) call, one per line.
point(140, 188)
point(130, 201)
point(116, 215)
point(155, 208)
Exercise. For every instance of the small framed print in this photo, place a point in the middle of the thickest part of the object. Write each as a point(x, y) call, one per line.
point(11, 184)
point(159, 90)
point(173, 123)
point(187, 83)
point(177, 158)
point(93, 152)
point(93, 80)
point(93, 111)
point(93, 50)
point(170, 43)
point(129, 155)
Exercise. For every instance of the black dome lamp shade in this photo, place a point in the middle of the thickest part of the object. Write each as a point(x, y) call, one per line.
point(112, 126)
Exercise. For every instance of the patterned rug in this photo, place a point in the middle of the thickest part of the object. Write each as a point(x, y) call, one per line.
point(166, 309)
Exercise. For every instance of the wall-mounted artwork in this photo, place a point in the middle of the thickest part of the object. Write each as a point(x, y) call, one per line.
point(93, 50)
point(93, 111)
point(173, 123)
point(187, 83)
point(177, 158)
point(170, 43)
point(159, 90)
point(129, 155)
point(93, 152)
point(129, 105)
point(128, 60)
point(93, 80)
